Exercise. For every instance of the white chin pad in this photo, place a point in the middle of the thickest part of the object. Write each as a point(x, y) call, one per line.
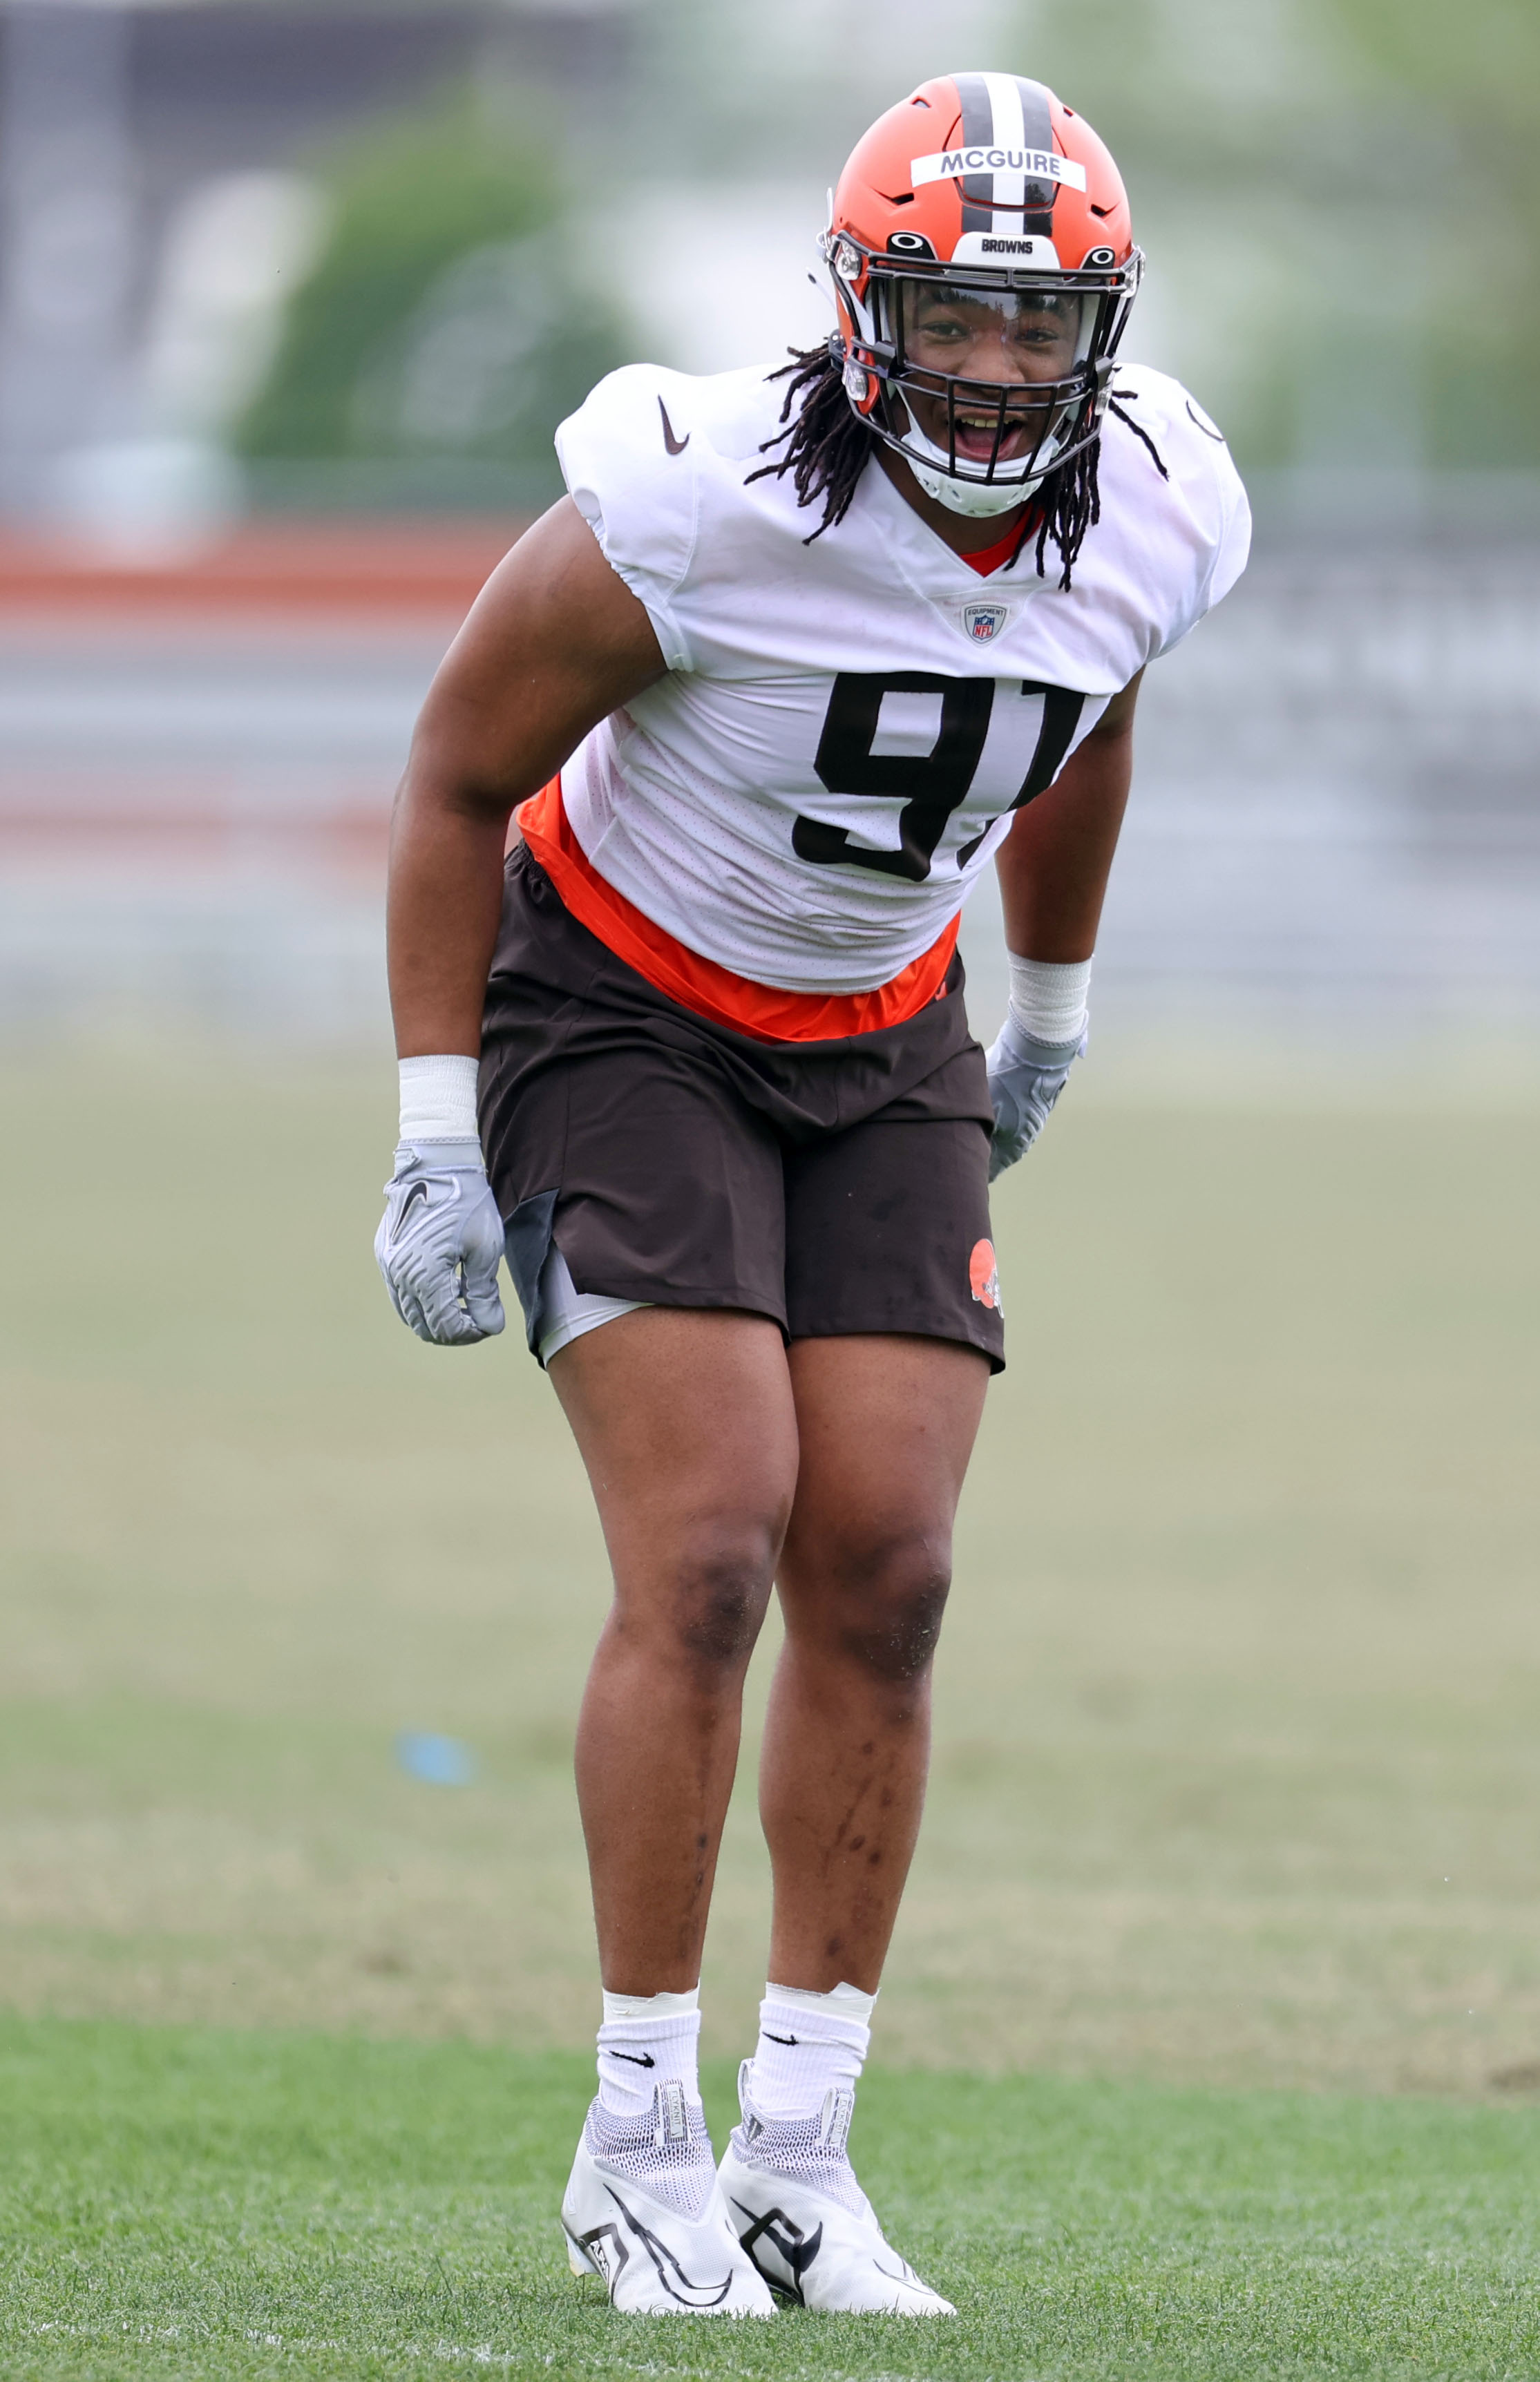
point(977, 499)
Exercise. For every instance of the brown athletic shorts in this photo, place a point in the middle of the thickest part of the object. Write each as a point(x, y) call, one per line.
point(835, 1186)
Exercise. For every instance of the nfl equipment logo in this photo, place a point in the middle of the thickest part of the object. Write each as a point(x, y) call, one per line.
point(982, 621)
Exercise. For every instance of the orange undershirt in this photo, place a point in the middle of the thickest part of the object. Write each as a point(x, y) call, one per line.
point(995, 557)
point(761, 1010)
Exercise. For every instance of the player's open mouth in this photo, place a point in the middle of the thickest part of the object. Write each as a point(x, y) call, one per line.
point(978, 427)
point(977, 434)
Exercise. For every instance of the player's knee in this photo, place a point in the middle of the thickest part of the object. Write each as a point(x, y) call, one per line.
point(895, 1601)
point(721, 1595)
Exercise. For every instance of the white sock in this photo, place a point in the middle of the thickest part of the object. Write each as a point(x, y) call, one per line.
point(648, 2040)
point(807, 2042)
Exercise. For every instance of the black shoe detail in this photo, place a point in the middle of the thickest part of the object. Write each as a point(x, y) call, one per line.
point(604, 2250)
point(637, 2058)
point(798, 2249)
point(675, 445)
point(688, 2294)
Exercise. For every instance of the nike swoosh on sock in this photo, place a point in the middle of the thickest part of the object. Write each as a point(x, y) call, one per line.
point(781, 2038)
point(635, 2059)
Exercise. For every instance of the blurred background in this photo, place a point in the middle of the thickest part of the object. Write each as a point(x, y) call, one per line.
point(291, 298)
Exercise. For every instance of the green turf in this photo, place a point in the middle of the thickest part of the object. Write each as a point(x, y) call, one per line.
point(1236, 1753)
point(1235, 1771)
point(193, 2203)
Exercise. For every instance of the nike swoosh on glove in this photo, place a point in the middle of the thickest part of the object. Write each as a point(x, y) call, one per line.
point(440, 1243)
point(1025, 1078)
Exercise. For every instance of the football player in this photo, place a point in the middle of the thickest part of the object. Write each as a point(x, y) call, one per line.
point(802, 653)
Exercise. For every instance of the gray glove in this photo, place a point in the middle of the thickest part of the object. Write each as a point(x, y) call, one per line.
point(1025, 1078)
point(440, 1241)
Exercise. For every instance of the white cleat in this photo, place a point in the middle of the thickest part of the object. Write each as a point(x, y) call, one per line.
point(795, 2203)
point(643, 2211)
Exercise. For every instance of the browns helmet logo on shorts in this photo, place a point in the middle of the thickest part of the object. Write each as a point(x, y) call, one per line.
point(984, 1276)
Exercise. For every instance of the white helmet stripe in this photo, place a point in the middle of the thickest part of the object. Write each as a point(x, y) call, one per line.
point(1006, 160)
point(1008, 133)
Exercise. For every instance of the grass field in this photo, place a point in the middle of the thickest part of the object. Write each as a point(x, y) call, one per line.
point(1235, 1812)
point(1237, 1772)
point(199, 2204)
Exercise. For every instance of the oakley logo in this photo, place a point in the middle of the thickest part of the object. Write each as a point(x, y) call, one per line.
point(1039, 164)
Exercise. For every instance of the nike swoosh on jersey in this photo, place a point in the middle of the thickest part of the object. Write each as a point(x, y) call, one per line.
point(635, 2059)
point(675, 445)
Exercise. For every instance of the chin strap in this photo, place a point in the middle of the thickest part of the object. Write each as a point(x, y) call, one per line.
point(975, 500)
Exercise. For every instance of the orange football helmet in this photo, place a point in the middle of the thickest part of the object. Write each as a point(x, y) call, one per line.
point(984, 265)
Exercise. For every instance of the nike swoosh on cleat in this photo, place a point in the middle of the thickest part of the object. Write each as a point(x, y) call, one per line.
point(635, 2059)
point(675, 445)
point(689, 2293)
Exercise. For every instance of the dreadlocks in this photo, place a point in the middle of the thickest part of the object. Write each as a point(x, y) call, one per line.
point(827, 446)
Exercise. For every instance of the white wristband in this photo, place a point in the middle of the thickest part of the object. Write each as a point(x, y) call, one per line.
point(1048, 998)
point(438, 1098)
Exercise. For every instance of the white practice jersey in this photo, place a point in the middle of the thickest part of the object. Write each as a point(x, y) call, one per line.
point(833, 757)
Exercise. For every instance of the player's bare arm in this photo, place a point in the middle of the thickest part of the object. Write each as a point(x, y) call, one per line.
point(1054, 868)
point(554, 643)
point(1055, 863)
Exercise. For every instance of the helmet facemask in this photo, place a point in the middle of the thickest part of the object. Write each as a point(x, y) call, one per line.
point(984, 381)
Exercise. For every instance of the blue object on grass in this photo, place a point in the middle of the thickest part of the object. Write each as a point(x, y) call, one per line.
point(437, 1761)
